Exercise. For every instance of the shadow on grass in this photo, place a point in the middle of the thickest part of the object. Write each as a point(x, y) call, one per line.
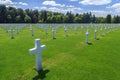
point(98, 39)
point(89, 43)
point(41, 74)
point(54, 38)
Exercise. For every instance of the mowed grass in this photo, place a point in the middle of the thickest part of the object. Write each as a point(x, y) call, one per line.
point(65, 58)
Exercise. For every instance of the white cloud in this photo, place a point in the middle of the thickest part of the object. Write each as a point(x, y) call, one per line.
point(22, 3)
point(100, 13)
point(61, 10)
point(52, 3)
point(73, 0)
point(43, 8)
point(115, 6)
point(77, 8)
point(73, 8)
point(12, 4)
point(36, 7)
point(95, 2)
point(70, 6)
point(7, 2)
point(55, 9)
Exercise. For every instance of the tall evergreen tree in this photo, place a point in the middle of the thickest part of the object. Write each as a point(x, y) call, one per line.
point(108, 18)
point(3, 13)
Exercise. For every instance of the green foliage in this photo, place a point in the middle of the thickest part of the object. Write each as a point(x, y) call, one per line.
point(108, 18)
point(27, 19)
point(3, 13)
point(9, 19)
point(77, 19)
point(18, 19)
point(21, 13)
point(116, 19)
point(9, 15)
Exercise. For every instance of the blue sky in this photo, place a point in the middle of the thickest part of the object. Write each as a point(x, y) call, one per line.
point(97, 7)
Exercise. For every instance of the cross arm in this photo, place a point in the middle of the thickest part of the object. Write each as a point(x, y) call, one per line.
point(32, 51)
point(43, 47)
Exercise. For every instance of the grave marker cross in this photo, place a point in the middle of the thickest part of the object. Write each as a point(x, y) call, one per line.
point(12, 33)
point(37, 51)
point(95, 32)
point(87, 33)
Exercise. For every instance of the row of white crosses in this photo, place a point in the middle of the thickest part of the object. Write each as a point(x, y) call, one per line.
point(107, 27)
point(18, 28)
point(12, 32)
point(38, 48)
point(75, 28)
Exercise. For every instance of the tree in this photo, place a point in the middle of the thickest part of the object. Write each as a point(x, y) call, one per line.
point(53, 19)
point(18, 15)
point(43, 15)
point(59, 19)
point(18, 19)
point(27, 19)
point(13, 13)
point(49, 19)
point(70, 17)
point(76, 19)
point(30, 14)
point(35, 16)
point(65, 20)
point(35, 19)
point(21, 13)
point(86, 18)
point(9, 19)
point(3, 13)
point(116, 19)
point(100, 20)
point(93, 19)
point(108, 18)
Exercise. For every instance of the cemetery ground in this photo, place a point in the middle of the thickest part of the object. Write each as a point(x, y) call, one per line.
point(65, 58)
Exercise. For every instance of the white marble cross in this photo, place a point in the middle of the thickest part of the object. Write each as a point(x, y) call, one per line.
point(75, 30)
point(12, 33)
point(17, 30)
point(105, 30)
point(65, 30)
point(101, 32)
point(31, 29)
point(81, 27)
point(95, 32)
point(53, 31)
point(87, 33)
point(37, 51)
point(110, 28)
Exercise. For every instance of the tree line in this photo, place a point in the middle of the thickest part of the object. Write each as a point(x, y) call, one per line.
point(18, 15)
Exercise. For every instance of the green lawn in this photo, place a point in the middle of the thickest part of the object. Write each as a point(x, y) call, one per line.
point(65, 58)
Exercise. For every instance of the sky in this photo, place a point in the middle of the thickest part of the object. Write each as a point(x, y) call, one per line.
point(98, 7)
